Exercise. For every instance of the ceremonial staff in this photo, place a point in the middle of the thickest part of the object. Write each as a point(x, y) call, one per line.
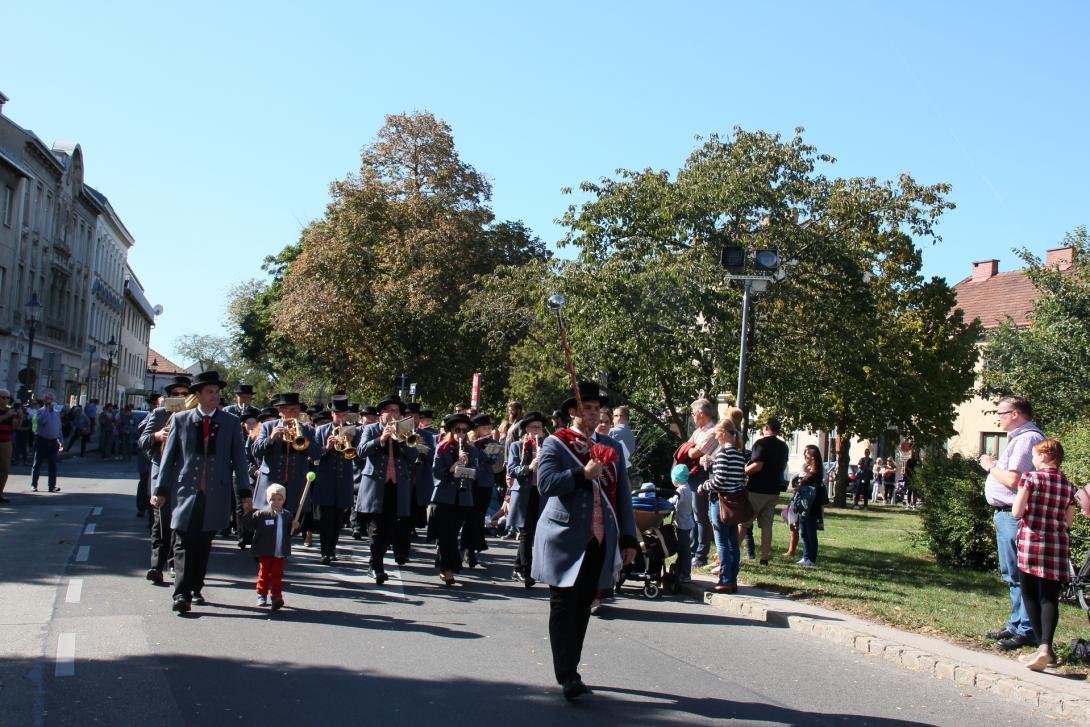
point(556, 303)
point(299, 511)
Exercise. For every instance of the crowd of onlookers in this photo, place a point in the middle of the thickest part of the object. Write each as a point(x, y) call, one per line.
point(109, 429)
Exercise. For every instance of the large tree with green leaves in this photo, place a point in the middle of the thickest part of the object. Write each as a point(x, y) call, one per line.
point(1049, 360)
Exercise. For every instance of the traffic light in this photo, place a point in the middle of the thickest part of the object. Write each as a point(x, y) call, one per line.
point(733, 258)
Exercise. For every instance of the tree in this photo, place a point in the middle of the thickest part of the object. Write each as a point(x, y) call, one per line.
point(1049, 361)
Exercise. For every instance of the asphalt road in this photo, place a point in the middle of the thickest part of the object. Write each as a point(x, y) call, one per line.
point(86, 640)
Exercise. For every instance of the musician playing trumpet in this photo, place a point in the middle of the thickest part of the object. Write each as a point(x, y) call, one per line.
point(456, 472)
point(523, 457)
point(331, 493)
point(281, 459)
point(384, 501)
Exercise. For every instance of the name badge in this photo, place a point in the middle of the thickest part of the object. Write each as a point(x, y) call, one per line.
point(270, 522)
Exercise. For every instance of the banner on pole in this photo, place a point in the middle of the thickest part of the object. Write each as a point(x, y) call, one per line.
point(475, 396)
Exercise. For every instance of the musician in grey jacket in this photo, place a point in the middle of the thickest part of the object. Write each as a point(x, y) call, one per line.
point(203, 454)
point(151, 441)
point(586, 531)
point(457, 471)
point(524, 507)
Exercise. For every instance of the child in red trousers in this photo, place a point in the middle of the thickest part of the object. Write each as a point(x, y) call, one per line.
point(272, 528)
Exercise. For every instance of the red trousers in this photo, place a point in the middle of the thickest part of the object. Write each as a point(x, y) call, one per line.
point(270, 575)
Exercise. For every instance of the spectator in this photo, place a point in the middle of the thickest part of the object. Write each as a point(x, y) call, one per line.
point(698, 456)
point(47, 443)
point(126, 430)
point(8, 418)
point(1046, 506)
point(864, 473)
point(683, 521)
point(621, 431)
point(728, 477)
point(91, 410)
point(106, 431)
point(81, 429)
point(1015, 415)
point(22, 435)
point(808, 503)
point(910, 480)
point(767, 463)
point(889, 481)
point(605, 421)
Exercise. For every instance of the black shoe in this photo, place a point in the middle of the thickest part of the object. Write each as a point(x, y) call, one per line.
point(380, 577)
point(357, 535)
point(997, 635)
point(198, 599)
point(181, 605)
point(575, 688)
point(529, 582)
point(276, 603)
point(154, 575)
point(519, 576)
point(402, 560)
point(1016, 642)
point(54, 489)
point(333, 558)
point(764, 561)
point(33, 488)
point(324, 560)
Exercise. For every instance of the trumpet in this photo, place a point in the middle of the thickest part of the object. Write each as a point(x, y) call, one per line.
point(405, 431)
point(294, 436)
point(175, 404)
point(344, 434)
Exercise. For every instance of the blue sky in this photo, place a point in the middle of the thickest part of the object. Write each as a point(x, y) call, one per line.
point(215, 128)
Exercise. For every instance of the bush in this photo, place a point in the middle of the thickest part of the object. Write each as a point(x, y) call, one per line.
point(1076, 442)
point(957, 521)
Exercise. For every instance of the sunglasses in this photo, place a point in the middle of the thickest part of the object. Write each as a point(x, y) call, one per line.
point(460, 430)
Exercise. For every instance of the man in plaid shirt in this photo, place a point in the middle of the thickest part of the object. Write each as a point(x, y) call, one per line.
point(1015, 415)
point(704, 445)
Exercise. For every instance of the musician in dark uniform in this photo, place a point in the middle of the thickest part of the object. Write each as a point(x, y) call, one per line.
point(422, 479)
point(427, 416)
point(280, 461)
point(203, 460)
point(151, 440)
point(385, 495)
point(244, 396)
point(524, 506)
point(331, 493)
point(455, 471)
point(586, 531)
point(490, 457)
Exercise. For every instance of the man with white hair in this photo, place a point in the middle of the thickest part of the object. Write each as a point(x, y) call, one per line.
point(7, 428)
point(47, 442)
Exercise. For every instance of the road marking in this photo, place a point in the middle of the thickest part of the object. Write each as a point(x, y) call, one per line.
point(66, 656)
point(97, 511)
point(90, 529)
point(83, 553)
point(75, 591)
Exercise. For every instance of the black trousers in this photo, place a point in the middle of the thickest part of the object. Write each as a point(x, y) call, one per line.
point(329, 528)
point(447, 521)
point(1041, 597)
point(382, 527)
point(191, 553)
point(161, 537)
point(524, 557)
point(142, 494)
point(473, 528)
point(569, 613)
point(862, 491)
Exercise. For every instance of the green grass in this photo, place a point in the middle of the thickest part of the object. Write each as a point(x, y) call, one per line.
point(872, 564)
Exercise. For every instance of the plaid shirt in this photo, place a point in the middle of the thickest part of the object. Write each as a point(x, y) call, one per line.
point(1042, 533)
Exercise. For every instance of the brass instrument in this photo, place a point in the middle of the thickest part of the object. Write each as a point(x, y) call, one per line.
point(175, 404)
point(344, 434)
point(405, 431)
point(294, 436)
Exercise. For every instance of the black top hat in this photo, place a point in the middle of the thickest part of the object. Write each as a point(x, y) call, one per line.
point(534, 416)
point(354, 408)
point(587, 392)
point(369, 410)
point(412, 408)
point(427, 414)
point(178, 382)
point(249, 412)
point(312, 410)
point(339, 403)
point(454, 419)
point(206, 378)
point(287, 398)
point(391, 399)
point(321, 417)
point(245, 389)
point(482, 420)
point(266, 414)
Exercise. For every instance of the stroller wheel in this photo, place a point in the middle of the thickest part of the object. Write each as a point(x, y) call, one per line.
point(651, 591)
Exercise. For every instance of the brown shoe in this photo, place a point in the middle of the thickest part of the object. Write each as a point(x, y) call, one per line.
point(725, 589)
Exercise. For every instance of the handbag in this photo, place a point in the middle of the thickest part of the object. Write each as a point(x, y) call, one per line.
point(735, 509)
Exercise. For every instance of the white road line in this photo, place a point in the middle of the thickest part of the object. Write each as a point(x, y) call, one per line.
point(75, 591)
point(66, 655)
point(96, 511)
point(90, 529)
point(83, 553)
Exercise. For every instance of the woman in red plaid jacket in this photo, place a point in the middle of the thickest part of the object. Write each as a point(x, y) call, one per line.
point(1046, 505)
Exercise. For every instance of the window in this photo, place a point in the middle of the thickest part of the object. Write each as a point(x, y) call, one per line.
point(9, 201)
point(993, 443)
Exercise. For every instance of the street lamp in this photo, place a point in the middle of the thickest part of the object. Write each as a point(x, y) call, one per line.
point(154, 370)
point(111, 349)
point(33, 314)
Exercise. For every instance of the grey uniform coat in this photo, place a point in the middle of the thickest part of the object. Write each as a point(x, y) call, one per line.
point(188, 460)
point(518, 505)
point(152, 423)
point(282, 465)
point(425, 483)
point(564, 529)
point(336, 475)
point(451, 490)
point(374, 456)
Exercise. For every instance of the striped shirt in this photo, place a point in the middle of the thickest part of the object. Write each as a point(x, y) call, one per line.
point(728, 471)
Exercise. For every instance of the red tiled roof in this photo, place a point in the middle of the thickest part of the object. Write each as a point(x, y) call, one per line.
point(1001, 296)
point(166, 366)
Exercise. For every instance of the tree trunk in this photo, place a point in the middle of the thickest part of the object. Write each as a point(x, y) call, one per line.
point(843, 462)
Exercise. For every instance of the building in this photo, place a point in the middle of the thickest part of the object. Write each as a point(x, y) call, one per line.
point(108, 305)
point(993, 297)
point(161, 370)
point(132, 359)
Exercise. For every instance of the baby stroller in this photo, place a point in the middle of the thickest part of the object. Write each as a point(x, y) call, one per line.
point(658, 542)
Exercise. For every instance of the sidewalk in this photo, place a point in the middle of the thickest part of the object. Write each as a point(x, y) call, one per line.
point(1066, 697)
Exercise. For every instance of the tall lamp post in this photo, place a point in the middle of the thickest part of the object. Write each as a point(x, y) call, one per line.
point(33, 314)
point(111, 350)
point(154, 370)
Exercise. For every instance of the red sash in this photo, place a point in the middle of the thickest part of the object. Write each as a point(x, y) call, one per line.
point(584, 451)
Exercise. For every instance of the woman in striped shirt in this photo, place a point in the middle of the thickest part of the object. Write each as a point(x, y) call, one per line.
point(727, 478)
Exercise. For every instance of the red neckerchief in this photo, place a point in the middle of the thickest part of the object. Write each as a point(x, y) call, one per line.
point(585, 450)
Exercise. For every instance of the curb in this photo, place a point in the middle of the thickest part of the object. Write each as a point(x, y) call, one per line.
point(1049, 701)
